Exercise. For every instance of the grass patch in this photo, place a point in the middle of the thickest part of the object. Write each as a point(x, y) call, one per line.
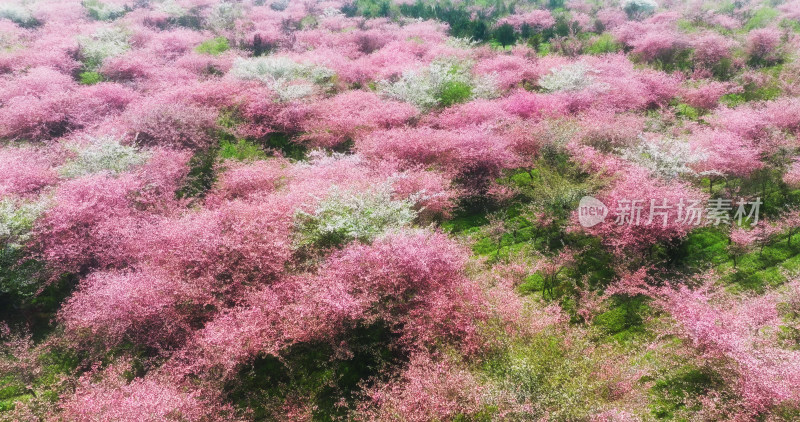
point(242, 150)
point(454, 92)
point(762, 18)
point(603, 44)
point(624, 320)
point(214, 46)
point(673, 396)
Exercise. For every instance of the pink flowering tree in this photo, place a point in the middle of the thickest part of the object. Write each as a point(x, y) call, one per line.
point(790, 221)
point(724, 154)
point(148, 399)
point(644, 210)
point(431, 389)
point(740, 242)
point(25, 171)
point(739, 333)
point(763, 46)
point(352, 115)
point(713, 51)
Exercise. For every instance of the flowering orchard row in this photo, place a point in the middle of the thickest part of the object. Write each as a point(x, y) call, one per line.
point(369, 210)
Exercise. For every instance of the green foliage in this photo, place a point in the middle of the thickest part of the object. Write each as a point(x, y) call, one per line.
point(554, 377)
point(762, 18)
point(90, 78)
point(102, 44)
point(726, 7)
point(637, 9)
point(201, 175)
point(505, 35)
point(242, 150)
point(702, 247)
point(43, 385)
point(11, 391)
point(369, 8)
point(624, 318)
point(480, 31)
point(753, 92)
point(20, 279)
point(191, 21)
point(102, 11)
point(672, 394)
point(723, 69)
point(18, 273)
point(790, 24)
point(551, 188)
point(764, 267)
point(344, 216)
point(603, 44)
point(544, 49)
point(687, 25)
point(17, 219)
point(520, 234)
point(687, 111)
point(229, 118)
point(283, 143)
point(465, 222)
point(214, 46)
point(554, 185)
point(314, 371)
point(454, 92)
point(676, 60)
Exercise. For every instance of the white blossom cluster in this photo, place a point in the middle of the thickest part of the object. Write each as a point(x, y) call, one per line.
point(17, 14)
point(17, 219)
point(101, 155)
point(171, 8)
point(665, 158)
point(344, 216)
point(223, 16)
point(289, 79)
point(424, 87)
point(104, 43)
point(461, 43)
point(570, 77)
point(103, 11)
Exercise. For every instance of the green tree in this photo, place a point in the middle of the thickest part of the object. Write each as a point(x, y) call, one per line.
point(479, 31)
point(505, 35)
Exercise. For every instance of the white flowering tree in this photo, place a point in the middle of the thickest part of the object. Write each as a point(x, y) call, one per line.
point(344, 216)
point(101, 155)
point(104, 43)
point(639, 8)
point(570, 77)
point(442, 83)
point(289, 79)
